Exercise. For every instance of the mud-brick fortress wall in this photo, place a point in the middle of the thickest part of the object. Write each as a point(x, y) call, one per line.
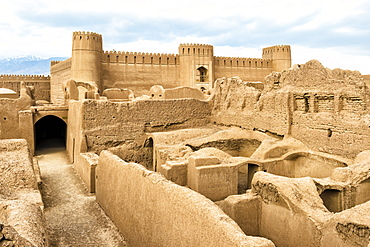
point(139, 70)
point(95, 125)
point(40, 83)
point(194, 66)
point(60, 72)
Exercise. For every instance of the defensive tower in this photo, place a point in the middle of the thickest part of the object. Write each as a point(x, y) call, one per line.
point(196, 65)
point(87, 49)
point(280, 55)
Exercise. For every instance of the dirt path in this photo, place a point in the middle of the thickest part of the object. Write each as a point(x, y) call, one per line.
point(73, 217)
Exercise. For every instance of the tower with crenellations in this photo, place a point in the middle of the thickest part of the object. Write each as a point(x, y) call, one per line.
point(196, 65)
point(86, 64)
point(280, 55)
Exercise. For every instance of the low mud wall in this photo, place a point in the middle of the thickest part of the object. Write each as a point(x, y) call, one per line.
point(151, 211)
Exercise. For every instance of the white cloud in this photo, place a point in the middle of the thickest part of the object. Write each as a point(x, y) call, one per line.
point(44, 27)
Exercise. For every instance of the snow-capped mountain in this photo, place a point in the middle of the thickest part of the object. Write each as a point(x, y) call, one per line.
point(27, 65)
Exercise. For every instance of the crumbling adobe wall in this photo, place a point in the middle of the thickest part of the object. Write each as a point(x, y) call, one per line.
point(22, 221)
point(336, 111)
point(10, 124)
point(41, 84)
point(325, 109)
point(238, 104)
point(96, 125)
point(151, 211)
point(108, 124)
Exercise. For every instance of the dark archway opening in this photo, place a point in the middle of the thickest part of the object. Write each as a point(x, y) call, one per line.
point(50, 132)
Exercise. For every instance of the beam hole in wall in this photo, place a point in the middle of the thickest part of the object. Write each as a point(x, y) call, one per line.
point(50, 132)
point(330, 132)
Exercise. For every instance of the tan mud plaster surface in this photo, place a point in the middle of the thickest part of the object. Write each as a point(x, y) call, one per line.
point(73, 217)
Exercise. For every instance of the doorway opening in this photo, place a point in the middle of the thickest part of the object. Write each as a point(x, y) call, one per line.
point(332, 200)
point(202, 74)
point(50, 132)
point(252, 169)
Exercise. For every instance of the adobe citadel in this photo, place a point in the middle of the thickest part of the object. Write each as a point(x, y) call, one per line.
point(191, 149)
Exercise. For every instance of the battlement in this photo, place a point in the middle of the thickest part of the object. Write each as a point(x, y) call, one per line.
point(196, 49)
point(140, 58)
point(276, 48)
point(24, 78)
point(86, 33)
point(87, 41)
point(243, 62)
point(56, 66)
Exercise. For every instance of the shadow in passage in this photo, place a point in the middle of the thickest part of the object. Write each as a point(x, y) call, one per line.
point(50, 135)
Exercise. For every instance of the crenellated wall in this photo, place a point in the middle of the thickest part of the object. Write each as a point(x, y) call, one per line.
point(139, 71)
point(40, 83)
point(280, 56)
point(193, 66)
point(248, 69)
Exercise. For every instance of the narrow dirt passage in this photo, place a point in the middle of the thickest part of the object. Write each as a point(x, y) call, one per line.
point(73, 217)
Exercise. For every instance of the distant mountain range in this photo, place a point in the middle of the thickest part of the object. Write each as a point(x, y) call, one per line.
point(27, 65)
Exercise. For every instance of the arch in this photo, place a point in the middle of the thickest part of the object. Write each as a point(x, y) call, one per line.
point(203, 74)
point(50, 131)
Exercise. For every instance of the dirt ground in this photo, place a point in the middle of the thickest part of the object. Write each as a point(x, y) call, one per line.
point(73, 217)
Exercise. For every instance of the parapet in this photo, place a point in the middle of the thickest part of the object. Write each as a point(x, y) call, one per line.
point(56, 66)
point(140, 58)
point(87, 40)
point(196, 49)
point(25, 78)
point(243, 62)
point(276, 48)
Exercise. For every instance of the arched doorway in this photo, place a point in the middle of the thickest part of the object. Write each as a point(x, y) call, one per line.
point(50, 132)
point(202, 74)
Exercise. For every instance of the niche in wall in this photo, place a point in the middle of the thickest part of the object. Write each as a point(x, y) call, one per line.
point(332, 200)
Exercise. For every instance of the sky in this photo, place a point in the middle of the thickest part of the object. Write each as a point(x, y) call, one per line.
point(335, 32)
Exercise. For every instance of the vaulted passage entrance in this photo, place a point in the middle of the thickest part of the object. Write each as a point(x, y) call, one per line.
point(50, 131)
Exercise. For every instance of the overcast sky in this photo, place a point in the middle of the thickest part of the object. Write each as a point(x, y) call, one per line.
point(336, 32)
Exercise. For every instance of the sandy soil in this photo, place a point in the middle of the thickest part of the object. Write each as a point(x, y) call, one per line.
point(73, 217)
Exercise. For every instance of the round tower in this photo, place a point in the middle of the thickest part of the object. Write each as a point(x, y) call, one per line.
point(196, 65)
point(86, 58)
point(280, 55)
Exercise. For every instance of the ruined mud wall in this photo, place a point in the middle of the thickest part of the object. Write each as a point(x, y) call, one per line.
point(106, 124)
point(60, 72)
point(41, 84)
point(22, 220)
point(235, 103)
point(96, 125)
point(140, 71)
point(325, 109)
point(11, 113)
point(152, 211)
